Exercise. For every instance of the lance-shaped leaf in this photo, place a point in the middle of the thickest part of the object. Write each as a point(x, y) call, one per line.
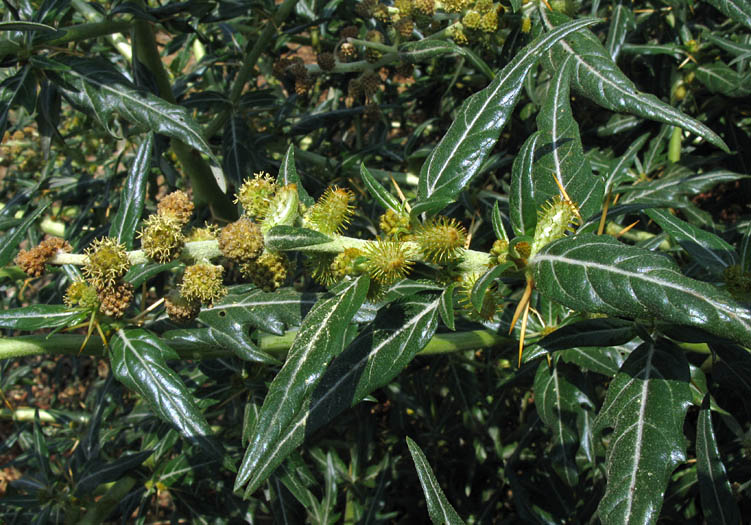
point(709, 250)
point(598, 78)
point(19, 89)
point(41, 316)
point(738, 10)
point(378, 192)
point(97, 86)
point(253, 308)
point(597, 273)
point(645, 406)
point(559, 401)
point(237, 149)
point(621, 22)
point(478, 123)
point(288, 175)
point(522, 202)
point(559, 155)
point(440, 510)
point(718, 77)
point(717, 499)
point(139, 361)
point(129, 212)
point(320, 338)
point(370, 361)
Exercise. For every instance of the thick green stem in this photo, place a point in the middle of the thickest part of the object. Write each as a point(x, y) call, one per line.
point(94, 16)
point(472, 261)
point(205, 188)
point(70, 344)
point(251, 57)
point(45, 416)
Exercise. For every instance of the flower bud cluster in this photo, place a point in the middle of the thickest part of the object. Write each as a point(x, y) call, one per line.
point(32, 261)
point(106, 264)
point(162, 238)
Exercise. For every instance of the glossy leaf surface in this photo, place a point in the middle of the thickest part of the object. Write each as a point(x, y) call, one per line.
point(370, 361)
point(598, 78)
point(320, 338)
point(594, 273)
point(440, 510)
point(123, 227)
point(717, 499)
point(645, 406)
point(478, 123)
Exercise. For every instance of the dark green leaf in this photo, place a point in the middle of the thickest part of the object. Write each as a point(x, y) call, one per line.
point(140, 273)
point(129, 212)
point(95, 85)
point(738, 10)
point(718, 77)
point(602, 360)
point(645, 406)
point(478, 123)
point(621, 22)
point(288, 175)
point(284, 238)
point(717, 499)
point(378, 192)
point(522, 199)
point(559, 155)
point(139, 361)
point(485, 281)
point(558, 401)
point(497, 219)
point(320, 338)
point(25, 26)
point(705, 247)
point(253, 308)
point(97, 472)
point(592, 273)
point(17, 90)
point(440, 510)
point(591, 332)
point(447, 307)
point(10, 241)
point(237, 150)
point(597, 77)
point(41, 316)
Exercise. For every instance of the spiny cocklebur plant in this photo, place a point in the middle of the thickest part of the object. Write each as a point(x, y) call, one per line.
point(542, 305)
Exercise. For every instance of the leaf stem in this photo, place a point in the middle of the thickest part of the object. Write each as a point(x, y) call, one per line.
point(250, 62)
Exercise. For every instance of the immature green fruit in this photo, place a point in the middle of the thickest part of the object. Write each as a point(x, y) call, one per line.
point(489, 21)
point(180, 310)
point(318, 265)
point(106, 262)
point(162, 238)
point(81, 295)
point(441, 239)
point(553, 221)
point(241, 240)
point(333, 211)
point(283, 209)
point(404, 7)
point(490, 301)
point(393, 224)
point(343, 264)
point(456, 32)
point(269, 271)
point(483, 6)
point(499, 252)
point(176, 205)
point(202, 283)
point(255, 194)
point(115, 299)
point(388, 261)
